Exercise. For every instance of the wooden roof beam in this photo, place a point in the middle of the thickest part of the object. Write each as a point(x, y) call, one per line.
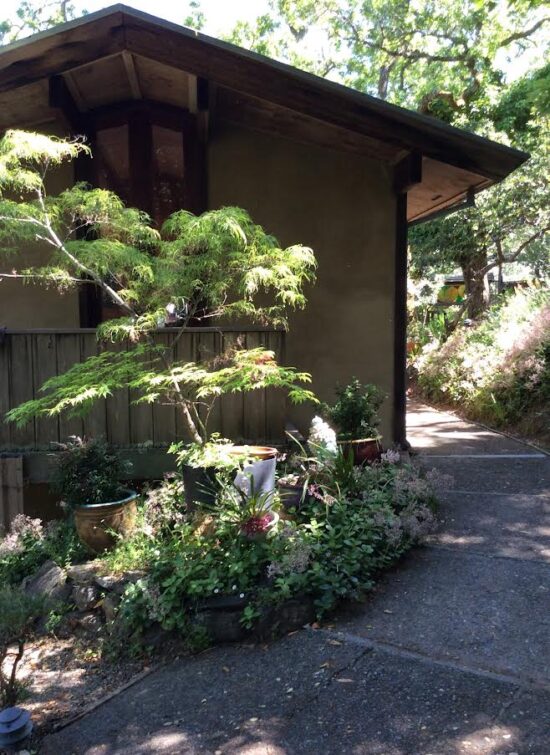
point(61, 99)
point(131, 73)
point(407, 173)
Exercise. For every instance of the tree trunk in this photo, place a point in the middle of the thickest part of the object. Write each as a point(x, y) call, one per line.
point(477, 285)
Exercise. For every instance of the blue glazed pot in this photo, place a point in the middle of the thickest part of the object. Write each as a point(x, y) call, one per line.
point(15, 726)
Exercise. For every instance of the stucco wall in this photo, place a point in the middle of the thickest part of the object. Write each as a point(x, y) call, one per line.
point(343, 207)
point(30, 305)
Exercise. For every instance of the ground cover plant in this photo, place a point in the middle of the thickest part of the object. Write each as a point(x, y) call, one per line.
point(352, 522)
point(498, 370)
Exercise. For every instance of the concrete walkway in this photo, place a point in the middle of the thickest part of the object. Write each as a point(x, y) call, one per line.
point(450, 655)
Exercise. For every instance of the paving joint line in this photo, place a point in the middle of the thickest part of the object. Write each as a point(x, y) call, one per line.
point(327, 683)
point(481, 554)
point(454, 491)
point(533, 684)
point(482, 456)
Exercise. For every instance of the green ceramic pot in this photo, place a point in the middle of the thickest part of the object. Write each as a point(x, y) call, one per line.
point(99, 524)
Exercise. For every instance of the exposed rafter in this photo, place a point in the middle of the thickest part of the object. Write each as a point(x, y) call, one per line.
point(133, 79)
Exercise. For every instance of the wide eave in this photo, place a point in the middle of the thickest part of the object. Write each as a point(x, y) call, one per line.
point(145, 58)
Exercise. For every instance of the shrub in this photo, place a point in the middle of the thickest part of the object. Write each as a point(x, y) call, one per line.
point(18, 612)
point(355, 412)
point(29, 544)
point(353, 522)
point(88, 472)
point(499, 370)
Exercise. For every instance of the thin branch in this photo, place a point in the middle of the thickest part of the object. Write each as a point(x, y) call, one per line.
point(29, 276)
point(501, 258)
point(523, 34)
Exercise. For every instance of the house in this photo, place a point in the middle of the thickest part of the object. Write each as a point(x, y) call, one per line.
point(178, 119)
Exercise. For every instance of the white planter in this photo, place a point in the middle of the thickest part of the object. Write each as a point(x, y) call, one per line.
point(259, 473)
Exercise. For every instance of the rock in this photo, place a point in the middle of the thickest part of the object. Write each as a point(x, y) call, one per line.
point(83, 574)
point(118, 584)
point(90, 622)
point(276, 621)
point(155, 636)
point(222, 626)
point(110, 606)
point(107, 582)
point(50, 581)
point(85, 597)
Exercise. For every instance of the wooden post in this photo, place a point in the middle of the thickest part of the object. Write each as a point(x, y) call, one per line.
point(400, 323)
point(11, 490)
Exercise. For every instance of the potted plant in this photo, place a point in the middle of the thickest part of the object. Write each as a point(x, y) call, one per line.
point(355, 415)
point(87, 477)
point(251, 467)
point(253, 511)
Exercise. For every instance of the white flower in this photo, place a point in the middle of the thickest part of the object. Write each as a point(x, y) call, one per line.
point(321, 434)
point(392, 457)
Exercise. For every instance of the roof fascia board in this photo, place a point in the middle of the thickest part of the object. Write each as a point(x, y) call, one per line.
point(319, 98)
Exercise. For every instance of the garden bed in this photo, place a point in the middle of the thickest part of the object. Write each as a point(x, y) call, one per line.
point(189, 578)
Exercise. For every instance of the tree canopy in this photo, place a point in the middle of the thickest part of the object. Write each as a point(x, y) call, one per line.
point(449, 59)
point(191, 269)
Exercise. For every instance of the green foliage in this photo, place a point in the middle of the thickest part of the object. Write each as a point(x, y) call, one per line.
point(218, 264)
point(444, 57)
point(18, 612)
point(88, 472)
point(148, 371)
point(499, 370)
point(332, 549)
point(32, 17)
point(29, 544)
point(355, 412)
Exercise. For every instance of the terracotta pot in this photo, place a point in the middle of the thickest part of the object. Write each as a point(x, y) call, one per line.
point(364, 450)
point(97, 523)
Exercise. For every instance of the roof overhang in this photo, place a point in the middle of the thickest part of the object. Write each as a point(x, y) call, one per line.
point(138, 54)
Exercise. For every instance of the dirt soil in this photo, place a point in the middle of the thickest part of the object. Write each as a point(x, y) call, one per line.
point(63, 677)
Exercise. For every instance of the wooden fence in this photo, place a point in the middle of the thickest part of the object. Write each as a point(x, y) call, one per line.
point(28, 358)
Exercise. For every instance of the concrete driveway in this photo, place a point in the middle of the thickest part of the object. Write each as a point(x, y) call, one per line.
point(450, 654)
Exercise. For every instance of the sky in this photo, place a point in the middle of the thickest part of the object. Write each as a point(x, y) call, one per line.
point(221, 15)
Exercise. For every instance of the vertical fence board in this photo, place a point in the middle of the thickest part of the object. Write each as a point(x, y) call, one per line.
point(118, 408)
point(68, 353)
point(185, 352)
point(276, 402)
point(208, 347)
point(11, 490)
point(232, 405)
point(95, 421)
point(45, 366)
point(5, 402)
point(164, 417)
point(254, 401)
point(141, 417)
point(21, 388)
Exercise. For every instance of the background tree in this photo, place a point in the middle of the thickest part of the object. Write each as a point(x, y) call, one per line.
point(32, 17)
point(193, 268)
point(445, 58)
point(510, 221)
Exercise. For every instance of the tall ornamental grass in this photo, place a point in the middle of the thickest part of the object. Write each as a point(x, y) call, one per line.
point(497, 371)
